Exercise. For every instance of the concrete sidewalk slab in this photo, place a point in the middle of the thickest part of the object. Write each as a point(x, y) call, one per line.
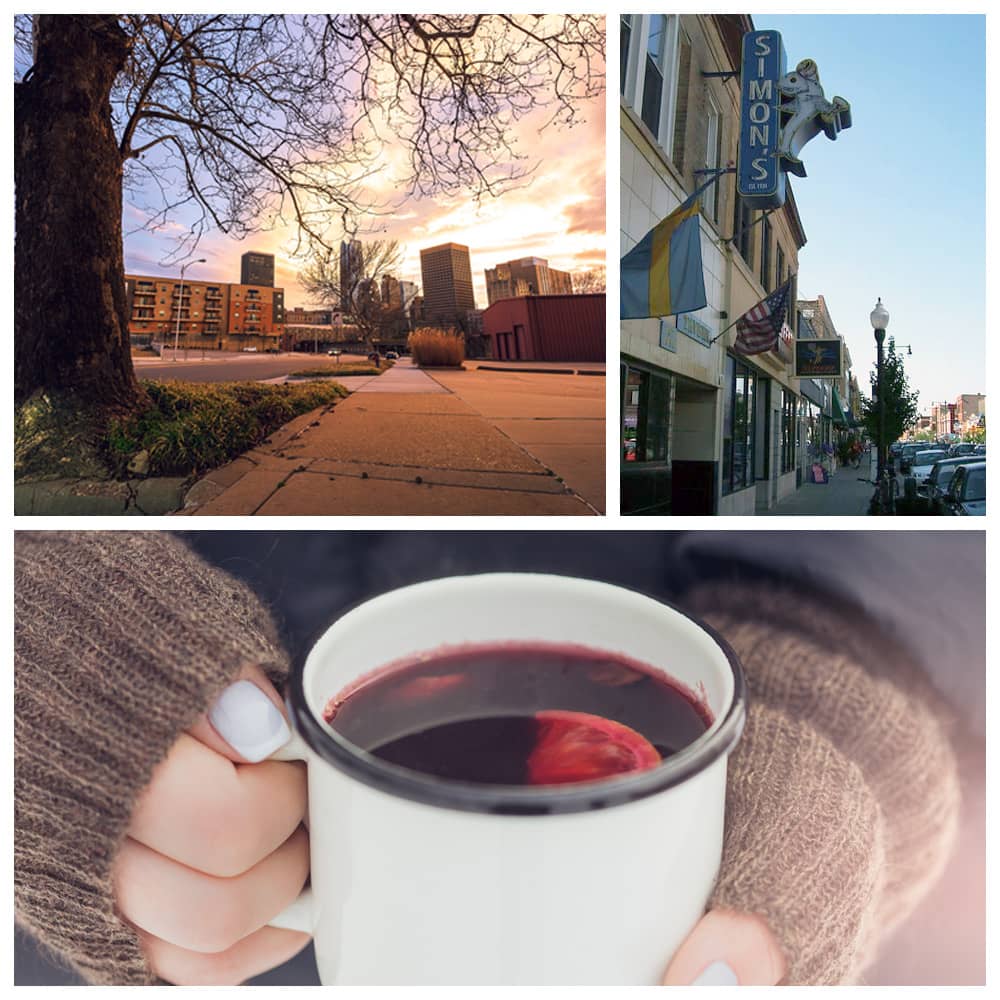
point(530, 482)
point(547, 430)
point(311, 494)
point(559, 419)
point(403, 377)
point(409, 443)
point(361, 434)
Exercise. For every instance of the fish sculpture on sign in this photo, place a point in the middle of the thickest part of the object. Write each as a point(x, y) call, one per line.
point(805, 112)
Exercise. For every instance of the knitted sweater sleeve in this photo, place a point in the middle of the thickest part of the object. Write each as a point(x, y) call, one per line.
point(122, 639)
point(843, 796)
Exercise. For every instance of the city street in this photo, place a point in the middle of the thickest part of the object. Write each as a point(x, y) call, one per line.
point(224, 366)
point(844, 495)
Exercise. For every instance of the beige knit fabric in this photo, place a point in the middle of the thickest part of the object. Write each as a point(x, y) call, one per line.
point(892, 734)
point(803, 847)
point(121, 640)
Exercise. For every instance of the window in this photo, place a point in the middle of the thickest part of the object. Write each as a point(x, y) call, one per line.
point(626, 37)
point(742, 231)
point(788, 426)
point(646, 405)
point(651, 53)
point(779, 271)
point(765, 254)
point(652, 86)
point(738, 425)
point(681, 102)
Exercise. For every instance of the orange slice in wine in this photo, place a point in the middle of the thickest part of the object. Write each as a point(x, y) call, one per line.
point(575, 746)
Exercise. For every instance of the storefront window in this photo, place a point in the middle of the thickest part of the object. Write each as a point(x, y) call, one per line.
point(727, 425)
point(788, 426)
point(646, 403)
point(738, 426)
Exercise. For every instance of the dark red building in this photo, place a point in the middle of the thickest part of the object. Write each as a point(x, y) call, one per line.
point(547, 328)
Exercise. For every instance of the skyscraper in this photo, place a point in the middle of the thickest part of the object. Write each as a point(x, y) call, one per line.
point(351, 271)
point(447, 279)
point(527, 276)
point(257, 269)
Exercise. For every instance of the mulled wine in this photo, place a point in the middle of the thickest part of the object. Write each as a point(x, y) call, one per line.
point(520, 714)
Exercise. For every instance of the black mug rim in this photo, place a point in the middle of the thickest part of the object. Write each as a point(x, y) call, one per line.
point(517, 800)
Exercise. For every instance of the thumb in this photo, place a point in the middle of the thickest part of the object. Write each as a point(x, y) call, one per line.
point(247, 720)
point(727, 948)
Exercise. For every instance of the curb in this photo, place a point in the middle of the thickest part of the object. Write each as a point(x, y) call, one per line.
point(540, 371)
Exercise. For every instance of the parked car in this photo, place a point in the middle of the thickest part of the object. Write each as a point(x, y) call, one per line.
point(935, 486)
point(967, 491)
point(272, 350)
point(906, 456)
point(391, 356)
point(249, 350)
point(334, 352)
point(922, 463)
point(962, 448)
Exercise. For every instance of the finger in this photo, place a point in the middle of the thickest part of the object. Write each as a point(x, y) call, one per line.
point(256, 953)
point(201, 912)
point(247, 722)
point(727, 948)
point(215, 816)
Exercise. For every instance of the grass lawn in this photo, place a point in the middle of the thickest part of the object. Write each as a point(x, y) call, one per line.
point(351, 368)
point(190, 427)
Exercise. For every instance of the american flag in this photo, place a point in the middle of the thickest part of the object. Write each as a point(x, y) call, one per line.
point(758, 329)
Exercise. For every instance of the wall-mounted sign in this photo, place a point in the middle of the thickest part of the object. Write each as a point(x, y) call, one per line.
point(819, 358)
point(759, 179)
point(779, 113)
point(668, 335)
point(696, 330)
point(786, 342)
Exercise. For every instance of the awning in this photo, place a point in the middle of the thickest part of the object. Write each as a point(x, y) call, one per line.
point(839, 416)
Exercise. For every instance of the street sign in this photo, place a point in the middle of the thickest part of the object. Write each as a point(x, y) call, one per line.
point(760, 181)
point(819, 358)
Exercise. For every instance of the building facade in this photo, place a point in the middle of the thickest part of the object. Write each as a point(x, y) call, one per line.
point(446, 275)
point(351, 271)
point(527, 276)
point(204, 315)
point(257, 269)
point(703, 429)
point(547, 328)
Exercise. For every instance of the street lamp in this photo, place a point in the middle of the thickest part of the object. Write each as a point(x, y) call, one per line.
point(880, 320)
point(180, 303)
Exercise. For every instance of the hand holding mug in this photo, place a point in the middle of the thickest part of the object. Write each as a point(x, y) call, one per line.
point(216, 845)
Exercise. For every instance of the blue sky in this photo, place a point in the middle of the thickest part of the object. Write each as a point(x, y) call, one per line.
point(896, 206)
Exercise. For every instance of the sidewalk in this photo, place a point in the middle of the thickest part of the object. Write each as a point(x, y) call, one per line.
point(413, 442)
point(842, 496)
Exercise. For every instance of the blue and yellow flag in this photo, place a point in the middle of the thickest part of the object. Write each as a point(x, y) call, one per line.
point(662, 274)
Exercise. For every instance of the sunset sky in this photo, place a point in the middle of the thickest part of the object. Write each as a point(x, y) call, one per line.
point(559, 215)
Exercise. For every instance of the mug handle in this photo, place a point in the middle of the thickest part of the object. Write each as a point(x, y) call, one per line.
point(299, 915)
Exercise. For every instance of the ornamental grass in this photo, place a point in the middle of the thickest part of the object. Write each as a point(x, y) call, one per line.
point(435, 348)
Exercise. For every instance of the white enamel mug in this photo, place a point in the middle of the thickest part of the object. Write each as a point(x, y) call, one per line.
point(417, 880)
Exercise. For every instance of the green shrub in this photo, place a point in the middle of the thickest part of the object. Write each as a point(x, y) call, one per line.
point(436, 348)
point(190, 427)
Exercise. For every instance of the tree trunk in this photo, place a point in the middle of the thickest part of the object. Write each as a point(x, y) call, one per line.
point(70, 314)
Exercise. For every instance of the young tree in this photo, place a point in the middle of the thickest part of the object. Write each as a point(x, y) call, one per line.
point(901, 409)
point(355, 289)
point(248, 121)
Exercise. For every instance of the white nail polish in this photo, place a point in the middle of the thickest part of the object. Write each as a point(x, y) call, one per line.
point(249, 721)
point(717, 974)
